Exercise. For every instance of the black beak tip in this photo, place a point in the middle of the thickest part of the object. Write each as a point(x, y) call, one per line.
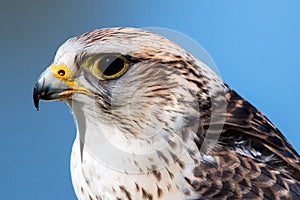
point(36, 96)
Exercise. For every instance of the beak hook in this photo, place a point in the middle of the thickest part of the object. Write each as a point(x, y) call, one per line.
point(38, 88)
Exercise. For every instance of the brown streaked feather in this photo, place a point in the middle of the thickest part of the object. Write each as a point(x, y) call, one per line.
point(272, 171)
point(246, 122)
point(236, 176)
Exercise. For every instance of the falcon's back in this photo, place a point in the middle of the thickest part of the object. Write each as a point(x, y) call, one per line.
point(255, 161)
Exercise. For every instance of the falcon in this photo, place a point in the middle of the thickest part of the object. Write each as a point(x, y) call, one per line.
point(154, 122)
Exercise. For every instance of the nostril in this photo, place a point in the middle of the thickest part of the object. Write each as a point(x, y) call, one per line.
point(61, 72)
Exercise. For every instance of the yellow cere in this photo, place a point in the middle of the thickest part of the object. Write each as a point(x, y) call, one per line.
point(61, 71)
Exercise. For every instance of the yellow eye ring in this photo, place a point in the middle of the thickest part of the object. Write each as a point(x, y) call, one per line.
point(109, 66)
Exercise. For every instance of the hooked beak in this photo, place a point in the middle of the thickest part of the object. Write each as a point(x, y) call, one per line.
point(49, 87)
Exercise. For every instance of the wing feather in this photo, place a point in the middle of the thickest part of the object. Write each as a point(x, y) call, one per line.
point(253, 159)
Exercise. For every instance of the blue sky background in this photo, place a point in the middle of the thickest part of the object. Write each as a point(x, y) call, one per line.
point(255, 45)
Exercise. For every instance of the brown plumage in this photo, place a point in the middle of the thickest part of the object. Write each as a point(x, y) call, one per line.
point(255, 159)
point(153, 122)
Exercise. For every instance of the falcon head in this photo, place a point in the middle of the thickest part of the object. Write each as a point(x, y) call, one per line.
point(132, 86)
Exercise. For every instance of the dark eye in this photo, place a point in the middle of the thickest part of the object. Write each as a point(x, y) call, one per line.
point(111, 66)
